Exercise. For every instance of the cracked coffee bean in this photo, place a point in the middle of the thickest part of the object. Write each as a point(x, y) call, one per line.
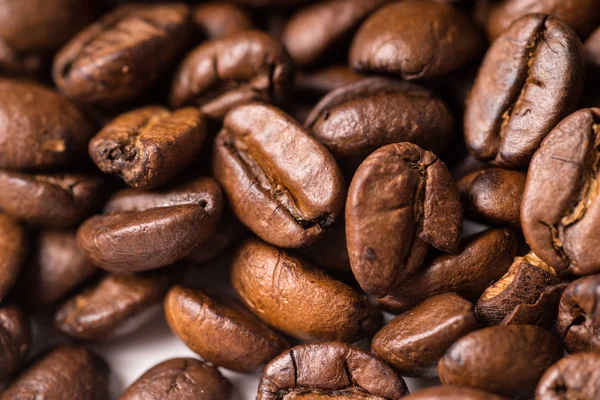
point(216, 19)
point(14, 339)
point(14, 245)
point(573, 377)
point(451, 393)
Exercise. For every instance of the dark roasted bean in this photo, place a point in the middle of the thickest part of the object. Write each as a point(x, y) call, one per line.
point(573, 377)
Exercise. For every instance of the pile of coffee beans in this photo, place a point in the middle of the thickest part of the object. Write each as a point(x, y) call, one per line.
point(389, 189)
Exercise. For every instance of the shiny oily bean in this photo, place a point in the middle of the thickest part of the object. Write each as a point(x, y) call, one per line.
point(561, 209)
point(573, 377)
point(180, 379)
point(299, 299)
point(238, 69)
point(281, 182)
point(330, 370)
point(417, 206)
point(357, 119)
point(149, 146)
point(530, 79)
point(483, 258)
point(66, 372)
point(143, 230)
point(506, 360)
point(451, 393)
point(414, 341)
point(221, 331)
point(56, 200)
point(14, 245)
point(14, 339)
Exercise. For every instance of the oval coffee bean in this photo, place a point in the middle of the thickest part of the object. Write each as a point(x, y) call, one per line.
point(143, 230)
point(494, 195)
point(451, 393)
point(180, 379)
point(329, 370)
point(484, 258)
point(66, 372)
point(14, 245)
point(199, 316)
point(417, 205)
point(507, 360)
point(14, 339)
point(38, 128)
point(238, 69)
point(58, 200)
point(414, 341)
point(579, 315)
point(217, 19)
point(561, 209)
point(281, 182)
point(530, 78)
point(355, 120)
point(297, 298)
point(573, 377)
point(415, 39)
point(117, 58)
point(149, 146)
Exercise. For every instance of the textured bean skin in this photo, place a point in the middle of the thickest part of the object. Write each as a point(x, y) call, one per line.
point(14, 339)
point(218, 19)
point(13, 247)
point(451, 393)
point(330, 370)
point(573, 377)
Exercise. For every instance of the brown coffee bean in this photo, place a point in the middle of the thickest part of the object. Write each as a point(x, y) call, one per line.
point(149, 146)
point(143, 230)
point(14, 339)
point(200, 316)
point(493, 195)
point(561, 212)
point(316, 84)
point(530, 78)
point(39, 129)
point(238, 69)
point(417, 205)
point(414, 341)
point(483, 258)
point(579, 315)
point(16, 65)
point(229, 231)
point(315, 31)
point(451, 393)
point(218, 19)
point(180, 379)
point(330, 370)
point(58, 200)
point(415, 39)
point(281, 182)
point(330, 251)
point(573, 377)
point(298, 299)
point(355, 120)
point(13, 249)
point(507, 360)
point(117, 58)
point(66, 372)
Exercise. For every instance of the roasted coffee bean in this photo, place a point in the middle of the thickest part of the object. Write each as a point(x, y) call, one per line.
point(13, 249)
point(561, 211)
point(56, 200)
point(414, 341)
point(507, 360)
point(415, 39)
point(281, 182)
point(218, 19)
point(493, 195)
point(238, 69)
point(451, 393)
point(142, 230)
point(114, 306)
point(180, 379)
point(14, 339)
point(484, 258)
point(573, 377)
point(315, 31)
point(228, 231)
point(355, 120)
point(299, 299)
point(221, 331)
point(529, 293)
point(38, 128)
point(149, 146)
point(579, 315)
point(581, 15)
point(417, 205)
point(330, 251)
point(15, 65)
point(117, 58)
point(530, 78)
point(66, 372)
point(316, 84)
point(330, 370)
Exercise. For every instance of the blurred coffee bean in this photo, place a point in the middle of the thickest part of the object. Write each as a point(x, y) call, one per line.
point(14, 245)
point(218, 19)
point(573, 377)
point(14, 339)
